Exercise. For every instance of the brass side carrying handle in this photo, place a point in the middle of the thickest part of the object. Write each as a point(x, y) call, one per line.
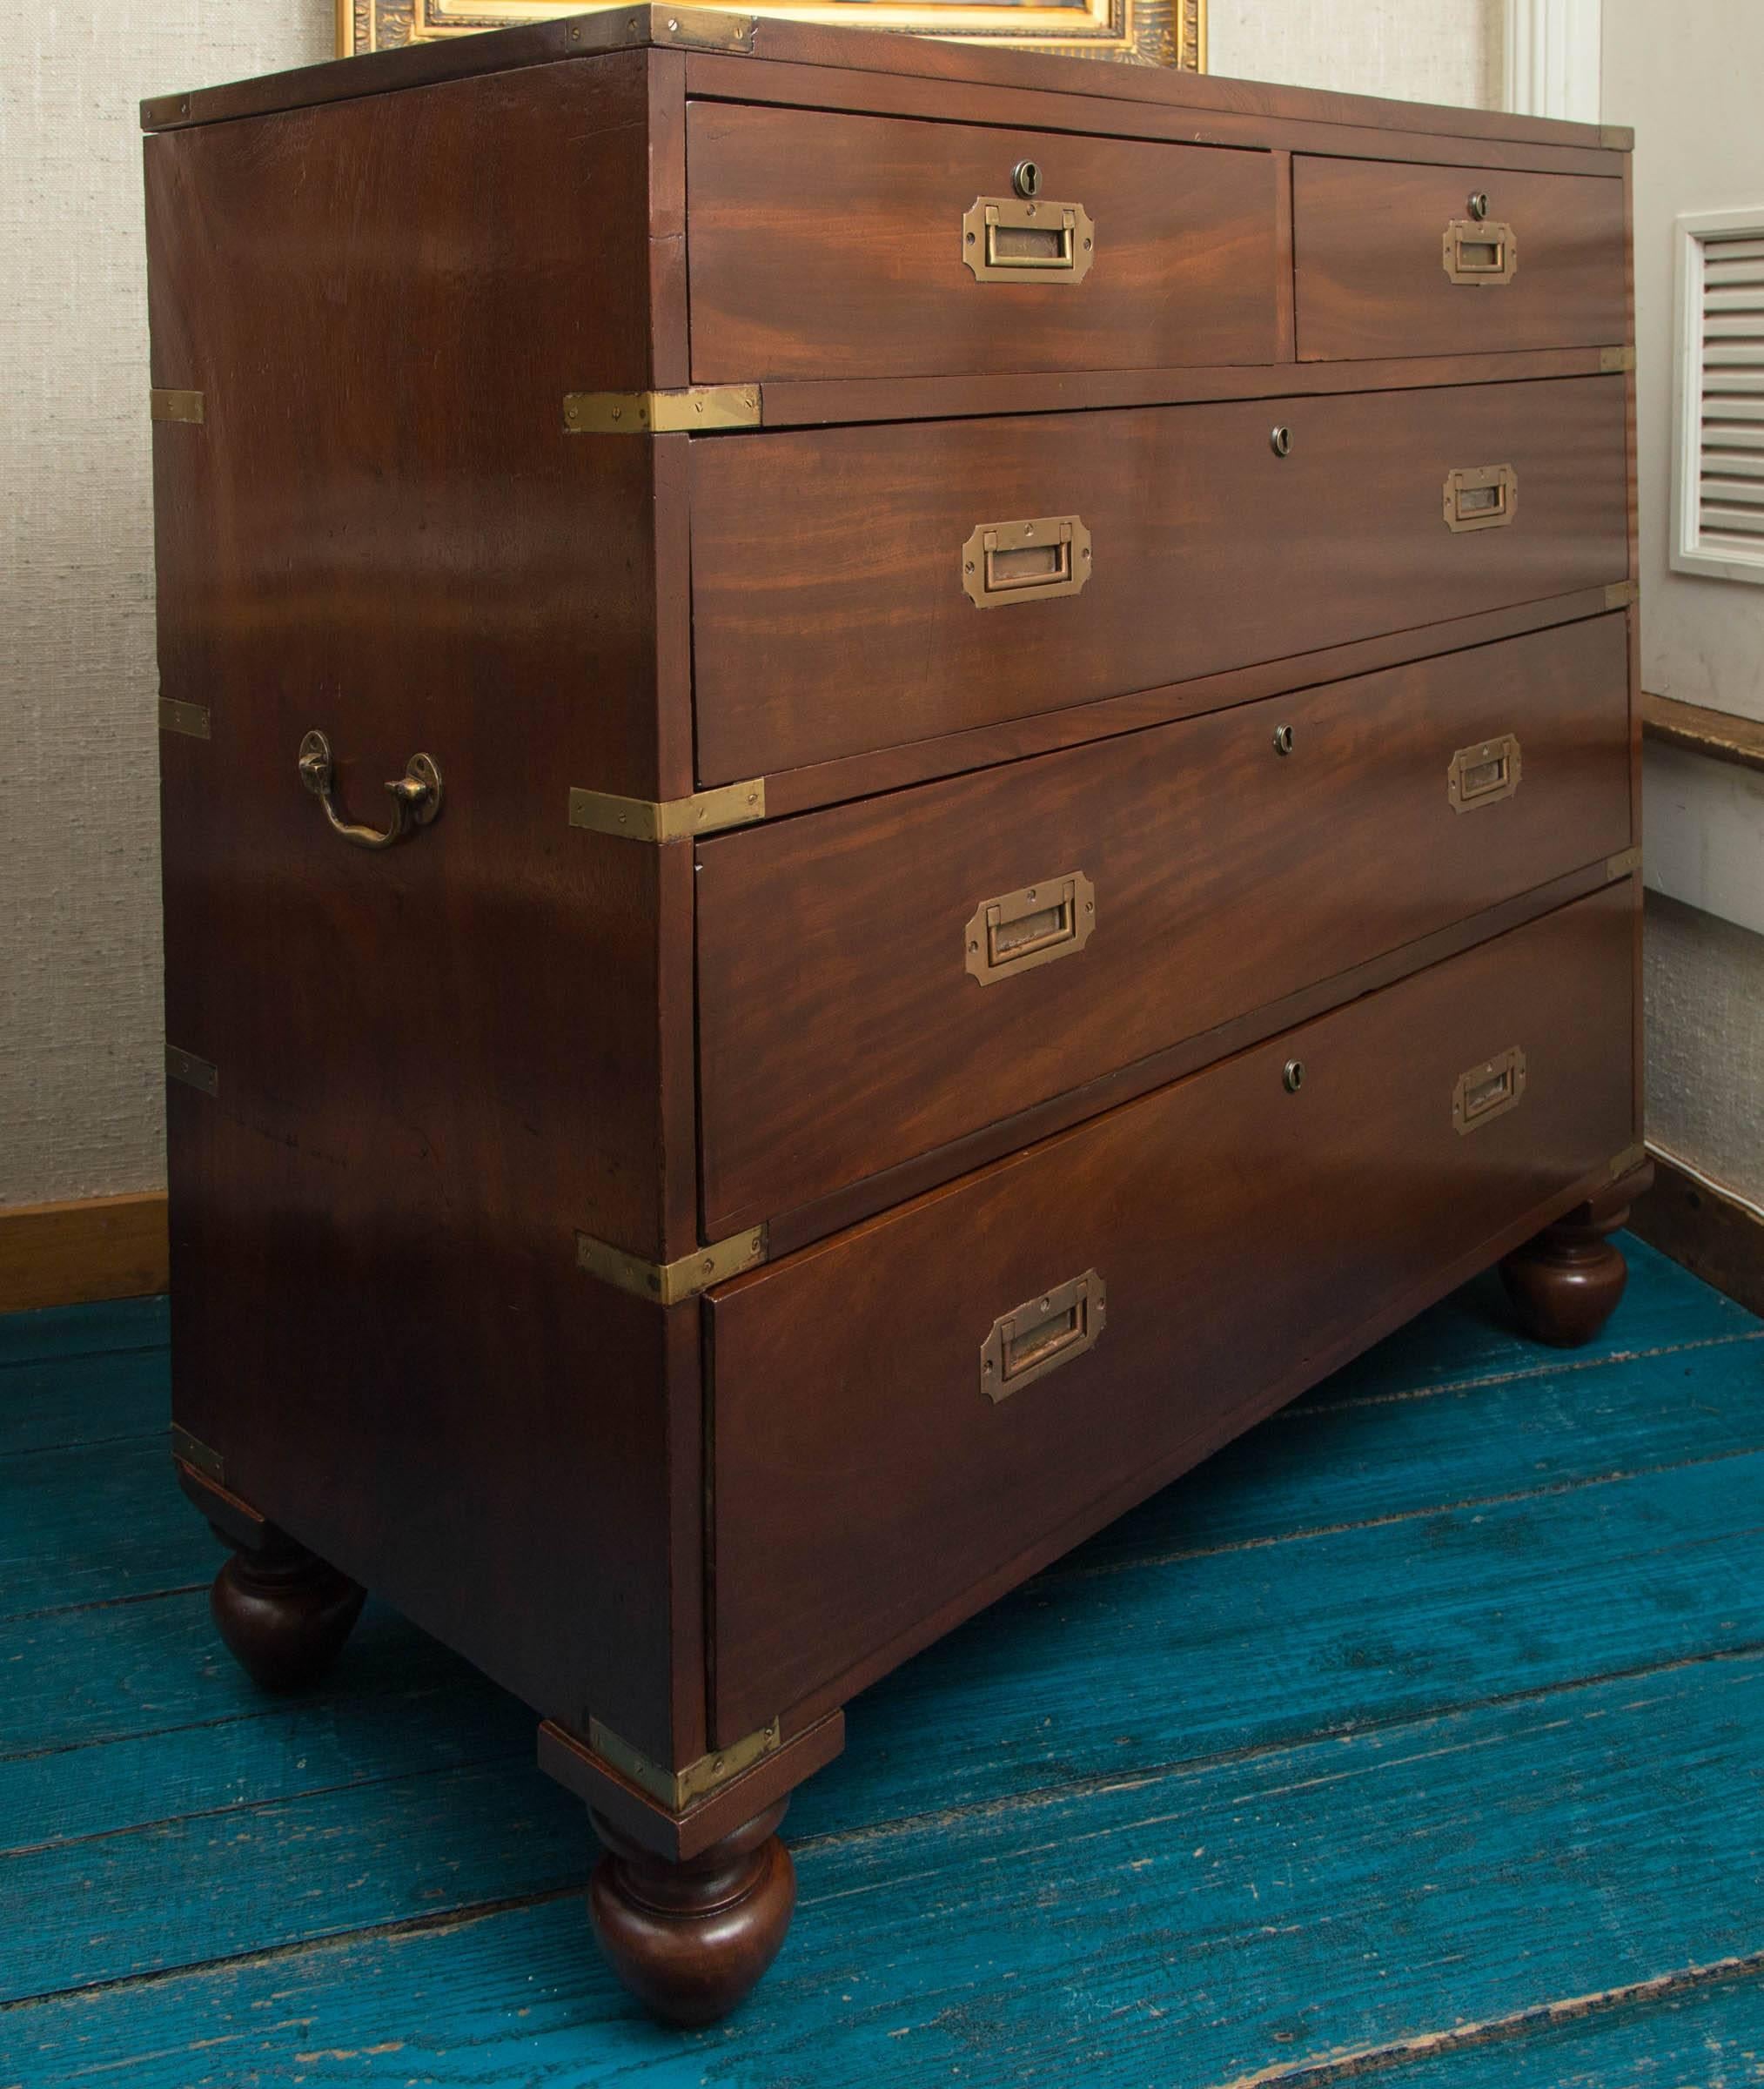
point(1019, 239)
point(1483, 775)
point(1476, 250)
point(416, 795)
point(1019, 930)
point(1485, 496)
point(1041, 1334)
point(1029, 561)
point(1489, 1090)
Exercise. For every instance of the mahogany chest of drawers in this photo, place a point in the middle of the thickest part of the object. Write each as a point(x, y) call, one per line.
point(1008, 689)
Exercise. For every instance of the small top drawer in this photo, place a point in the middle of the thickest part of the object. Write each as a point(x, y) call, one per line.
point(841, 246)
point(1413, 260)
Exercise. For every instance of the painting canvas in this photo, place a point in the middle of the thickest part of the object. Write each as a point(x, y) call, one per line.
point(1145, 32)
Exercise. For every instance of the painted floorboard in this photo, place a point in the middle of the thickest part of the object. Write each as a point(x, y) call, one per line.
point(1431, 1544)
point(65, 1331)
point(1186, 1930)
point(1125, 1674)
point(84, 1399)
point(1702, 2033)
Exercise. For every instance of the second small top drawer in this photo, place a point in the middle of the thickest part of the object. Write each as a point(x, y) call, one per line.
point(827, 246)
point(1414, 260)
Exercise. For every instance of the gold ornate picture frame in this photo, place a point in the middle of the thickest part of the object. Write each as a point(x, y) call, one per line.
point(1142, 32)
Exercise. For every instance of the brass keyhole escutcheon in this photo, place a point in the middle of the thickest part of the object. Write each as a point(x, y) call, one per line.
point(1292, 1076)
point(1280, 442)
point(1283, 739)
point(1025, 177)
point(1478, 204)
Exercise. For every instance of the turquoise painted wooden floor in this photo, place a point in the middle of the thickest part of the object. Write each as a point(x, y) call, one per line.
point(1418, 1734)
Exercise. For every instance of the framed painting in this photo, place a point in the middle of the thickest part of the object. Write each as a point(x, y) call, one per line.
point(1141, 32)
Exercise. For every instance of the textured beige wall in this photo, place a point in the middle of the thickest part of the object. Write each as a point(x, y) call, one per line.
point(1705, 991)
point(81, 1048)
point(1416, 50)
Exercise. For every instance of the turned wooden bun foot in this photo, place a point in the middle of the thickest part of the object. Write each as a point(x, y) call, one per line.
point(1565, 1284)
point(284, 1614)
point(690, 1940)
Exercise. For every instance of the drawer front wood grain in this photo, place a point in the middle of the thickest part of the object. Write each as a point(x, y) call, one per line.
point(832, 245)
point(831, 610)
point(1371, 244)
point(864, 1480)
point(848, 1019)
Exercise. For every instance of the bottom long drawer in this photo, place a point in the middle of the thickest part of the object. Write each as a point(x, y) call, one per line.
point(904, 1412)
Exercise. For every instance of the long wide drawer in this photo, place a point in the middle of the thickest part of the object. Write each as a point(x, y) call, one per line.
point(877, 980)
point(904, 1414)
point(1454, 260)
point(861, 587)
point(836, 246)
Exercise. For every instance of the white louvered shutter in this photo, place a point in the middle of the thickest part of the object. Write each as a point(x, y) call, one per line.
point(1718, 467)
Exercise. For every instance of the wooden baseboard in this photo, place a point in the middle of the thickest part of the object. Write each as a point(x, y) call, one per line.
point(90, 1247)
point(1715, 1237)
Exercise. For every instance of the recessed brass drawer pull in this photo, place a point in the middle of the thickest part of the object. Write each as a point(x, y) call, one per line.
point(1486, 1092)
point(1041, 1334)
point(1014, 239)
point(1483, 775)
point(1478, 252)
point(416, 795)
point(1029, 561)
point(1019, 930)
point(1484, 497)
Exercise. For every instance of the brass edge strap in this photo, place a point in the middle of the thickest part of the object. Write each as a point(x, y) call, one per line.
point(1612, 361)
point(198, 1456)
point(694, 411)
point(1631, 1157)
point(669, 819)
point(677, 1788)
point(1624, 861)
point(194, 1072)
point(1620, 594)
point(176, 405)
point(1617, 138)
point(703, 28)
point(191, 719)
point(668, 1283)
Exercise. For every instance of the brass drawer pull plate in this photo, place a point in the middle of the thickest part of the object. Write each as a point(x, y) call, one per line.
point(1018, 239)
point(1019, 930)
point(1480, 251)
point(1489, 1090)
point(416, 795)
point(1028, 561)
point(1041, 1334)
point(1483, 497)
point(1483, 775)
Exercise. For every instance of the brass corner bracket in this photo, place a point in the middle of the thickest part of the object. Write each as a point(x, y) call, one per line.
point(1620, 594)
point(190, 719)
point(177, 406)
point(669, 819)
point(1623, 863)
point(676, 1789)
point(192, 1071)
point(1631, 1157)
point(1613, 360)
point(669, 1283)
point(187, 1450)
point(696, 411)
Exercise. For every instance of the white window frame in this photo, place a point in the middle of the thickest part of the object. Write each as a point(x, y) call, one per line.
point(1691, 231)
point(1554, 58)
